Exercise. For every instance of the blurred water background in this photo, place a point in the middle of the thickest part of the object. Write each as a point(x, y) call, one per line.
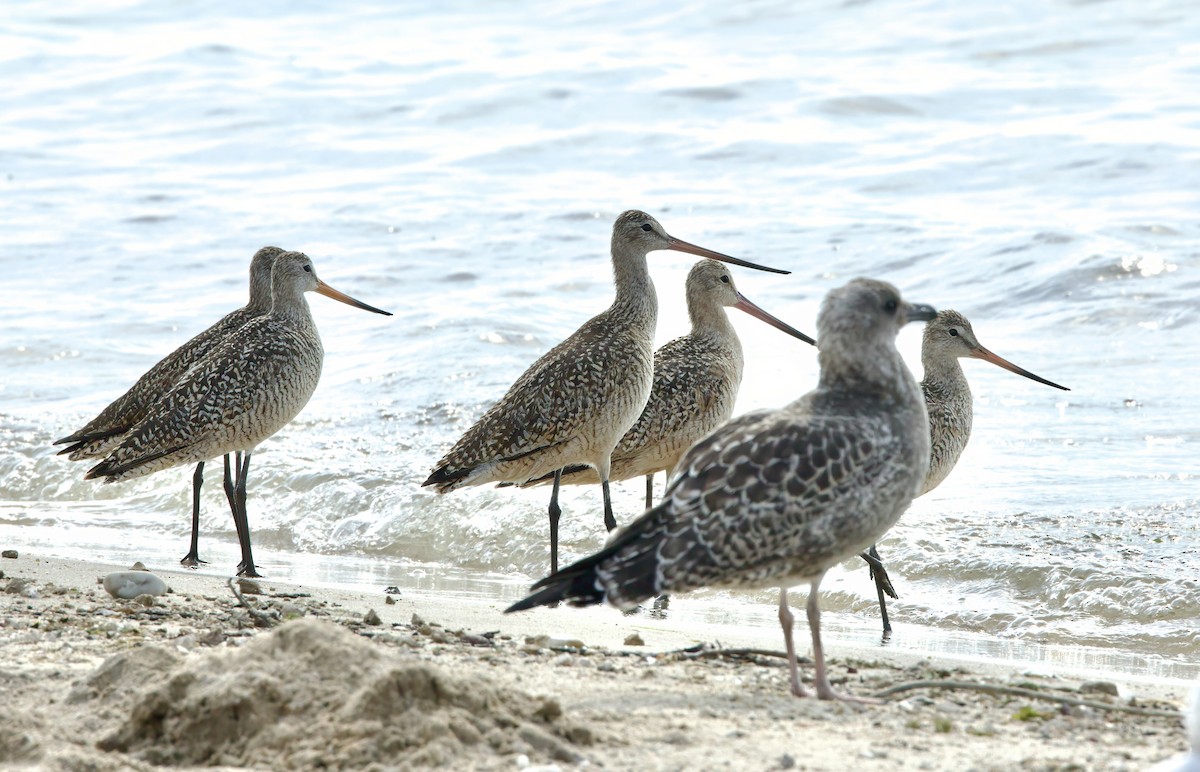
point(1033, 164)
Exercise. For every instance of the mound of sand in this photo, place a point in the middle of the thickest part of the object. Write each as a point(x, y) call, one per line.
point(193, 681)
point(313, 695)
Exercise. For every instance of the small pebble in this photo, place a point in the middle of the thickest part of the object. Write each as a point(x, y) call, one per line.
point(130, 584)
point(472, 639)
point(372, 618)
point(1099, 687)
point(16, 586)
point(138, 566)
point(249, 587)
point(12, 554)
point(389, 600)
point(634, 640)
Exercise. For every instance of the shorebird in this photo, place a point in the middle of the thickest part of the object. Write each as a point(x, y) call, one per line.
point(244, 391)
point(575, 403)
point(948, 338)
point(105, 431)
point(779, 497)
point(696, 380)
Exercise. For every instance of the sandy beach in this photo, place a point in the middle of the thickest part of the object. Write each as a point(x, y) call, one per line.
point(298, 677)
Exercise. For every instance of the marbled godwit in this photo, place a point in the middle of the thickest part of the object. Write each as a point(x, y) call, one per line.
point(696, 380)
point(575, 403)
point(948, 338)
point(246, 389)
point(778, 497)
point(105, 431)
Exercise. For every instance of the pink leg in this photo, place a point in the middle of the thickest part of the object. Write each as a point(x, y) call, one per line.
point(821, 677)
point(786, 620)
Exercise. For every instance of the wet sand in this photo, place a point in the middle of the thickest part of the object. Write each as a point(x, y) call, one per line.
point(298, 677)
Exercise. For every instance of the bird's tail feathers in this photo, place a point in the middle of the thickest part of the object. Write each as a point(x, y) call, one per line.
point(624, 573)
point(582, 588)
point(84, 446)
point(111, 468)
point(446, 478)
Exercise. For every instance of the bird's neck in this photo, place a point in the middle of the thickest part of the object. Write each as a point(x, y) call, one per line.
point(943, 374)
point(948, 397)
point(635, 291)
point(292, 306)
point(259, 303)
point(877, 368)
point(711, 321)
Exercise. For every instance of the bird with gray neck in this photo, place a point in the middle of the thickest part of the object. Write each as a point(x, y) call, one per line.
point(778, 497)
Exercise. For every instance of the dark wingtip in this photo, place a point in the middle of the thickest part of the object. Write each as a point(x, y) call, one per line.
point(80, 439)
point(443, 478)
point(576, 584)
point(540, 598)
point(579, 589)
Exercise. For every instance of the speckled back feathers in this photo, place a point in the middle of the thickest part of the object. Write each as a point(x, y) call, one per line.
point(104, 432)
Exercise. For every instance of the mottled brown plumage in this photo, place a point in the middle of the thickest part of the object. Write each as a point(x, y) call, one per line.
point(104, 432)
point(779, 497)
point(696, 381)
point(575, 403)
point(245, 390)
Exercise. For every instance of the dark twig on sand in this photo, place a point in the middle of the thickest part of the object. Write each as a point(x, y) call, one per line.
point(260, 619)
point(1016, 691)
point(737, 654)
point(705, 651)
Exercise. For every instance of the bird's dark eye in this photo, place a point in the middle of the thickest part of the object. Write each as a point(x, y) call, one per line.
point(890, 306)
point(724, 278)
point(646, 227)
point(953, 333)
point(308, 269)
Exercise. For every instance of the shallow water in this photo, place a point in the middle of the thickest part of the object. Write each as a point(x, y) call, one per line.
point(1032, 166)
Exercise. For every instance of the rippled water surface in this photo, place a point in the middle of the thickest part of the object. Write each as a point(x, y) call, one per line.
point(1033, 165)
